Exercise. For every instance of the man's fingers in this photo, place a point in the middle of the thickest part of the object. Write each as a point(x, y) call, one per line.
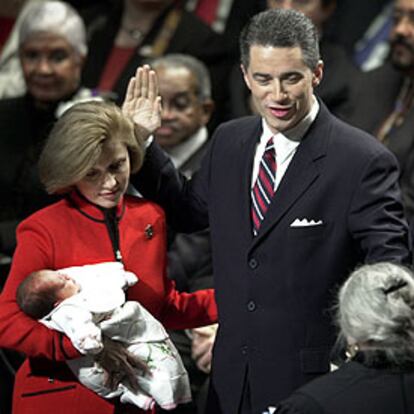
point(138, 82)
point(152, 85)
point(129, 93)
point(145, 81)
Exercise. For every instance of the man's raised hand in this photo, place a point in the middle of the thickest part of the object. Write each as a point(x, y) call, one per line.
point(142, 103)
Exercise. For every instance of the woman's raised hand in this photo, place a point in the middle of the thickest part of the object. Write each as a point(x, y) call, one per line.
point(142, 103)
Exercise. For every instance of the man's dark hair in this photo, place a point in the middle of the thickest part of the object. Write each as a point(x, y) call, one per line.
point(35, 299)
point(281, 28)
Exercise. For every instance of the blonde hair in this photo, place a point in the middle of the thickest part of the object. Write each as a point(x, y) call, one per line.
point(76, 142)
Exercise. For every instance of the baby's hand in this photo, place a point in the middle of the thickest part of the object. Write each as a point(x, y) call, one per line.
point(92, 346)
point(130, 279)
point(90, 342)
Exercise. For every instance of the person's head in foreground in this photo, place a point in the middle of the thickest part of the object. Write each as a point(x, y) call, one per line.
point(376, 315)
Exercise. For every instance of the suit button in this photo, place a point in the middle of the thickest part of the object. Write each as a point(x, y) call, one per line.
point(244, 349)
point(253, 263)
point(251, 306)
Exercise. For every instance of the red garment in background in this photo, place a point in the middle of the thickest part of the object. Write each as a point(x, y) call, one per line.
point(118, 59)
point(206, 10)
point(6, 26)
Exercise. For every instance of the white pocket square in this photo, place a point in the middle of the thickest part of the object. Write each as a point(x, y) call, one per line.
point(305, 223)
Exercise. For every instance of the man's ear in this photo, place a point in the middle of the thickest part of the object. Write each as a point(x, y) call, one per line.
point(317, 74)
point(245, 76)
point(207, 108)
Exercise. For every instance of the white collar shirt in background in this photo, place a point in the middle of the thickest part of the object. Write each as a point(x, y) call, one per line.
point(186, 149)
point(285, 144)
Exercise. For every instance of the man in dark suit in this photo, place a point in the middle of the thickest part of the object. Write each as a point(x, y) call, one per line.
point(336, 205)
point(384, 104)
point(185, 88)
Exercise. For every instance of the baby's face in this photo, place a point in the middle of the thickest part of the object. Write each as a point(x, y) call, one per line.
point(64, 286)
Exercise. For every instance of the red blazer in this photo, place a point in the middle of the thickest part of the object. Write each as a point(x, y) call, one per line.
point(75, 232)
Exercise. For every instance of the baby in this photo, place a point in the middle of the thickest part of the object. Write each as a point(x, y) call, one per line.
point(88, 304)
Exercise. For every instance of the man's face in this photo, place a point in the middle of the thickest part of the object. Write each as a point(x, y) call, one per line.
point(51, 67)
point(183, 111)
point(402, 36)
point(281, 85)
point(310, 8)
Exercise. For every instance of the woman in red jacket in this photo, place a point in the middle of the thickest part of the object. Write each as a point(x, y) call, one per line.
point(89, 155)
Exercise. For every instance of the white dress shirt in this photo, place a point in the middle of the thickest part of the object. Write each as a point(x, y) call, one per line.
point(285, 144)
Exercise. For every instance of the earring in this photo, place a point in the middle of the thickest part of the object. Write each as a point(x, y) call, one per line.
point(351, 351)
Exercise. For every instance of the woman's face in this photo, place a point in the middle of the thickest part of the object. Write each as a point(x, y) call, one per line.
point(51, 67)
point(107, 181)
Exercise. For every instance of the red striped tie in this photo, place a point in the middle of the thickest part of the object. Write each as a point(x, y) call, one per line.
point(264, 187)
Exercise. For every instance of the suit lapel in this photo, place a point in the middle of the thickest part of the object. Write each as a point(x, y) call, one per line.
point(303, 170)
point(248, 141)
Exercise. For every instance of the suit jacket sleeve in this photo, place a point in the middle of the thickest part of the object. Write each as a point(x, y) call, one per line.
point(375, 218)
point(184, 200)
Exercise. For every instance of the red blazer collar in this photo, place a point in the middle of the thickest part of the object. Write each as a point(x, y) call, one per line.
point(93, 211)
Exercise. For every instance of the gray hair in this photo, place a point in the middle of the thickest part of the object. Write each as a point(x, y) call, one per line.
point(281, 28)
point(376, 310)
point(194, 65)
point(55, 17)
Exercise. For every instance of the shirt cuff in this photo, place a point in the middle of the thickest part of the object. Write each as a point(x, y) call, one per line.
point(149, 141)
